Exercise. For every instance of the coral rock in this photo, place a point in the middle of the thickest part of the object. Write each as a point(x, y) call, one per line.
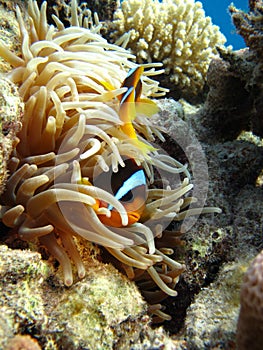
point(23, 342)
point(250, 322)
point(11, 108)
point(103, 311)
point(250, 25)
point(211, 319)
point(234, 101)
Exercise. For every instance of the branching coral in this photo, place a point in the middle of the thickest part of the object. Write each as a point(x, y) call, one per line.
point(250, 322)
point(174, 32)
point(71, 134)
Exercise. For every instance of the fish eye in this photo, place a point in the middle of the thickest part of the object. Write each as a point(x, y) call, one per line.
point(128, 185)
point(127, 197)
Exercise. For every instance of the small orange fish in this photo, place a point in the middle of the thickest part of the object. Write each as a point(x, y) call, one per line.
point(129, 187)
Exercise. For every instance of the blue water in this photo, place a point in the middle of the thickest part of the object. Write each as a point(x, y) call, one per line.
point(218, 11)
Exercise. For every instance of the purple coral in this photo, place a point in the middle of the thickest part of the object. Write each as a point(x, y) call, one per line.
point(250, 322)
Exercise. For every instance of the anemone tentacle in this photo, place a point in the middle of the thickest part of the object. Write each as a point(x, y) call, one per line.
point(70, 134)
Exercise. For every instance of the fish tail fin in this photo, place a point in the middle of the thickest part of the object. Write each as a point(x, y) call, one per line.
point(144, 147)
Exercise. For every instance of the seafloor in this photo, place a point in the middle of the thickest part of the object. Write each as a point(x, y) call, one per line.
point(105, 310)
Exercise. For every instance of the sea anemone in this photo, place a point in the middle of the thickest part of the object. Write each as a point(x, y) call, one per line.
point(72, 134)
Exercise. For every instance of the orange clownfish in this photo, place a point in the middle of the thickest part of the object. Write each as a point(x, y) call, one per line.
point(129, 187)
point(131, 104)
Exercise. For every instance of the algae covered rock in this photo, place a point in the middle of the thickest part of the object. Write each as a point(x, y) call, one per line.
point(88, 312)
point(22, 308)
point(9, 30)
point(103, 311)
point(211, 319)
point(11, 110)
point(11, 107)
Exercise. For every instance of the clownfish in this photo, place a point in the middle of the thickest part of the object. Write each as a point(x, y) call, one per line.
point(131, 104)
point(129, 187)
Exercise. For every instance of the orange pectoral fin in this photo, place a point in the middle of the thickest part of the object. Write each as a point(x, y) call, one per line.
point(96, 205)
point(134, 212)
point(133, 217)
point(114, 220)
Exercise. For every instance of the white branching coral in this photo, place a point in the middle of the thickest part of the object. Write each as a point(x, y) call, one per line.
point(174, 32)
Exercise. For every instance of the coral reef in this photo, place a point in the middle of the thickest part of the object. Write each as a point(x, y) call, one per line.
point(102, 311)
point(206, 320)
point(11, 105)
point(9, 31)
point(227, 108)
point(234, 101)
point(217, 251)
point(104, 8)
point(11, 110)
point(174, 32)
point(250, 321)
point(250, 26)
point(22, 273)
point(72, 136)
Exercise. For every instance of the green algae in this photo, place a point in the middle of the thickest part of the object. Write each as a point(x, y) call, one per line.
point(96, 305)
point(92, 314)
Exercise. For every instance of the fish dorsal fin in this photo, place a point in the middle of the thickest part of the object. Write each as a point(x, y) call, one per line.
point(131, 104)
point(133, 76)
